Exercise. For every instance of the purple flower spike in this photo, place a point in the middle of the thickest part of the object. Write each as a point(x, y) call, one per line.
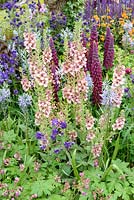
point(96, 72)
point(108, 50)
point(93, 37)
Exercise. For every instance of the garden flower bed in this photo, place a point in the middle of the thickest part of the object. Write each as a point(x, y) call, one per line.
point(67, 100)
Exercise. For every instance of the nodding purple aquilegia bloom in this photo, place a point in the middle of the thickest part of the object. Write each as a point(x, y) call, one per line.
point(25, 101)
point(43, 141)
point(55, 132)
point(68, 145)
point(63, 124)
point(38, 135)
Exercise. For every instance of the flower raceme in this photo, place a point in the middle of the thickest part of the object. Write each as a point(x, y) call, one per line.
point(29, 41)
point(108, 49)
point(96, 74)
point(117, 85)
point(76, 60)
point(119, 124)
point(76, 88)
point(93, 38)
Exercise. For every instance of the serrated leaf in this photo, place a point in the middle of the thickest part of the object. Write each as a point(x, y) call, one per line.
point(41, 187)
point(9, 136)
point(56, 197)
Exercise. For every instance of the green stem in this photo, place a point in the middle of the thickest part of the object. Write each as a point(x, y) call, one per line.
point(26, 134)
point(106, 172)
point(73, 163)
point(116, 148)
point(113, 158)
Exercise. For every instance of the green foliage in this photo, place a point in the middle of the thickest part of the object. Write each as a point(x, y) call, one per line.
point(71, 9)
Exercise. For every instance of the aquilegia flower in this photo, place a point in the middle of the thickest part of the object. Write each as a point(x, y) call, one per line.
point(25, 101)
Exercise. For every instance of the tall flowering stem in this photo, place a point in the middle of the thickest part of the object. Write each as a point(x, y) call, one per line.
point(108, 50)
point(75, 90)
point(96, 73)
point(41, 70)
point(54, 70)
point(117, 85)
point(93, 37)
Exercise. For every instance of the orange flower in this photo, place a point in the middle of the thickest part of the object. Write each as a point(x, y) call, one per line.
point(109, 17)
point(124, 15)
point(121, 22)
point(131, 32)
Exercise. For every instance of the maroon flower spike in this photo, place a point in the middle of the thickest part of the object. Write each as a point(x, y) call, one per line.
point(54, 69)
point(54, 53)
point(107, 38)
point(93, 37)
point(108, 50)
point(96, 72)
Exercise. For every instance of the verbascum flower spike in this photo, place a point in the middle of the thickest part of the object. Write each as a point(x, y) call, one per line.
point(108, 50)
point(93, 37)
point(96, 72)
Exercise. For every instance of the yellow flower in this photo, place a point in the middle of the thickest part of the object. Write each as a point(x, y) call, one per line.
point(111, 21)
point(103, 24)
point(103, 16)
point(102, 38)
point(96, 17)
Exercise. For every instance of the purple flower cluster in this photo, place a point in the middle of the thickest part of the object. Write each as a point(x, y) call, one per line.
point(8, 65)
point(57, 21)
point(57, 128)
point(68, 145)
point(108, 49)
point(42, 140)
